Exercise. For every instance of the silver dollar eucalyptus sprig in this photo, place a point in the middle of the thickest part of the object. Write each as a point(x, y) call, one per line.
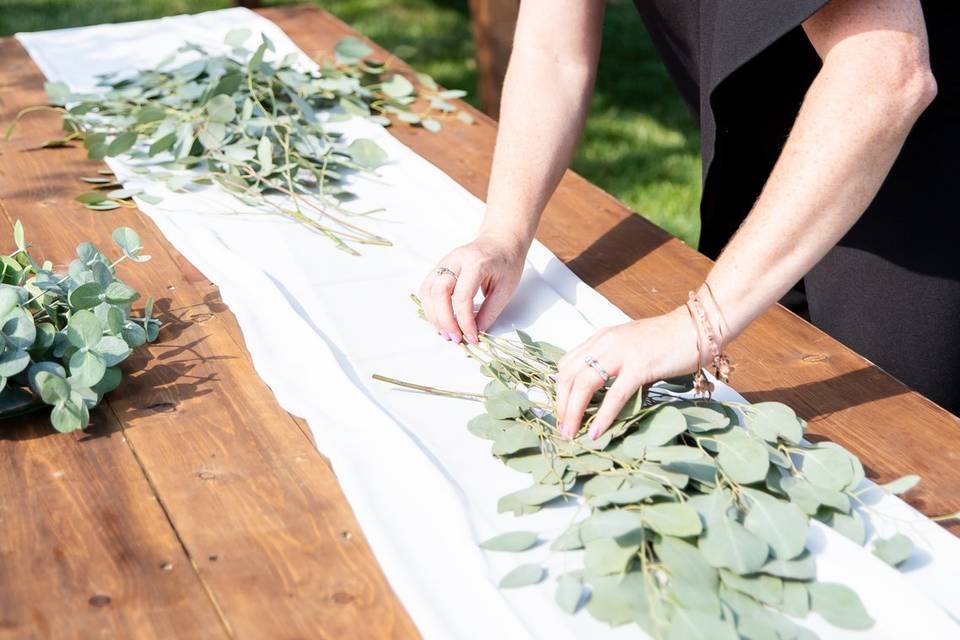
point(693, 513)
point(64, 335)
point(251, 123)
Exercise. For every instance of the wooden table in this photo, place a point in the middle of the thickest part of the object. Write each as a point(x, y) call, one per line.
point(195, 507)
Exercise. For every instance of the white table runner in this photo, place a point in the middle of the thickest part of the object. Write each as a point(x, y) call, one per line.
point(318, 323)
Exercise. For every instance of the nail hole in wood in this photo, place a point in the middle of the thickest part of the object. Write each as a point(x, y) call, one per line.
point(99, 600)
point(163, 407)
point(166, 566)
point(815, 357)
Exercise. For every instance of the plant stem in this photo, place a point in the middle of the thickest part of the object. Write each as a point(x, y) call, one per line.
point(431, 390)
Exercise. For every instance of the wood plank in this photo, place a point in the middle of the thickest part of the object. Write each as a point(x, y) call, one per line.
point(255, 504)
point(645, 271)
point(86, 549)
point(494, 22)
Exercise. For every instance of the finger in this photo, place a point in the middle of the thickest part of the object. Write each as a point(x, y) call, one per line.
point(463, 293)
point(427, 304)
point(565, 378)
point(622, 389)
point(441, 288)
point(584, 386)
point(494, 302)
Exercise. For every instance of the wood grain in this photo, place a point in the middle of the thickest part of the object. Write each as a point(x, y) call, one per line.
point(645, 271)
point(265, 530)
point(201, 509)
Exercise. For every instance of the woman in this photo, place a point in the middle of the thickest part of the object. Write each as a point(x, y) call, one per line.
point(828, 156)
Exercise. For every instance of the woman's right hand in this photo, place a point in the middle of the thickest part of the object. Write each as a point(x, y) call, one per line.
point(491, 265)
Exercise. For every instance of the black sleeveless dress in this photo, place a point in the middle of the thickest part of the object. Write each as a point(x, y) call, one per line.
point(891, 288)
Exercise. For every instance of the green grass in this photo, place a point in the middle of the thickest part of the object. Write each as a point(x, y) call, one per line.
point(640, 144)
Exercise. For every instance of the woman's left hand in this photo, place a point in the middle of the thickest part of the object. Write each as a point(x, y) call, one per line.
point(636, 353)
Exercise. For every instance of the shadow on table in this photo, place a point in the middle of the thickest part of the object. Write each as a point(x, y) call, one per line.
point(171, 378)
point(618, 249)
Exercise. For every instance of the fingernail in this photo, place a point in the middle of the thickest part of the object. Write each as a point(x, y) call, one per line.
point(445, 336)
point(455, 338)
point(473, 339)
point(593, 433)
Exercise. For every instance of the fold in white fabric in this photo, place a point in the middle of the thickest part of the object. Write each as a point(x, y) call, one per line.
point(318, 323)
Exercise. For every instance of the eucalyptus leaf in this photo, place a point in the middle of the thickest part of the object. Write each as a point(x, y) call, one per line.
point(893, 550)
point(511, 541)
point(838, 605)
point(523, 576)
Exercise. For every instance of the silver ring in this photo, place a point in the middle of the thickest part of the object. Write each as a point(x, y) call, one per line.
point(444, 271)
point(590, 360)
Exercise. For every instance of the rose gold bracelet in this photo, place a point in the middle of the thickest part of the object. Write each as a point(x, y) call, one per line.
point(721, 362)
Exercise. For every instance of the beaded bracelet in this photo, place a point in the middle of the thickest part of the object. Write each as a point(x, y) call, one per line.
point(721, 362)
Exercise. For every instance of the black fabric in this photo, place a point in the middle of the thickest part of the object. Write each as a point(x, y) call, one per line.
point(891, 288)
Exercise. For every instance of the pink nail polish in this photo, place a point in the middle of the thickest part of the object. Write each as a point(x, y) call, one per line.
point(592, 433)
point(445, 336)
point(473, 339)
point(455, 338)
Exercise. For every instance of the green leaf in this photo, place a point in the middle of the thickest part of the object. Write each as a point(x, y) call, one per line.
point(685, 562)
point(164, 143)
point(523, 576)
point(655, 429)
point(431, 124)
point(728, 544)
point(773, 421)
point(742, 458)
point(52, 387)
point(57, 92)
point(533, 496)
point(809, 497)
point(796, 599)
point(618, 600)
point(397, 87)
point(851, 526)
point(129, 242)
point(113, 349)
point(894, 550)
point(827, 468)
point(569, 540)
point(782, 525)
point(236, 37)
point(515, 438)
point(804, 567)
point(766, 589)
point(18, 237)
point(901, 485)
point(13, 362)
point(221, 108)
point(350, 50)
point(696, 625)
point(86, 296)
point(569, 593)
point(9, 300)
point(465, 117)
point(610, 524)
point(702, 418)
point(265, 155)
point(672, 519)
point(257, 58)
point(838, 605)
point(18, 329)
point(486, 427)
point(84, 330)
point(110, 381)
point(603, 556)
point(86, 368)
point(511, 541)
point(66, 417)
point(91, 197)
point(119, 293)
point(450, 94)
point(122, 143)
point(366, 153)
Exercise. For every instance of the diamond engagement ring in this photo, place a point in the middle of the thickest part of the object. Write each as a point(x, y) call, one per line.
point(444, 271)
point(590, 360)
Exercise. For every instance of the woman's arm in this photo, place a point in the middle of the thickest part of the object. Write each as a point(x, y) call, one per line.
point(546, 97)
point(874, 84)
